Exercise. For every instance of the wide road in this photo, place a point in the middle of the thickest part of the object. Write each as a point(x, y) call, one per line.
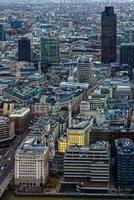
point(7, 165)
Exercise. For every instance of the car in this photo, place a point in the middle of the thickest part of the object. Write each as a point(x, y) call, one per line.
point(2, 168)
point(9, 158)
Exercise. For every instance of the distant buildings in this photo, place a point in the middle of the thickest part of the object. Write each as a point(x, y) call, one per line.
point(31, 164)
point(23, 94)
point(49, 51)
point(24, 50)
point(73, 113)
point(72, 84)
point(108, 41)
point(2, 33)
point(97, 101)
point(16, 24)
point(123, 92)
point(125, 165)
point(39, 109)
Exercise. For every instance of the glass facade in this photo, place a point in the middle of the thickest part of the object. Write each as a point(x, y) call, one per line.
point(125, 165)
point(50, 50)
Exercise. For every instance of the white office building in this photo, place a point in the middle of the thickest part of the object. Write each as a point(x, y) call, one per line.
point(31, 163)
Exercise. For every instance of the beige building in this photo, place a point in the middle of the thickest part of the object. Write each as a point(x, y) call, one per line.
point(21, 117)
point(31, 163)
point(8, 107)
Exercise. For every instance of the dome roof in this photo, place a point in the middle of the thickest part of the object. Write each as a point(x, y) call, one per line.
point(85, 59)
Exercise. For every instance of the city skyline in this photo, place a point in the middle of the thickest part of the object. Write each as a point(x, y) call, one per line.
point(66, 99)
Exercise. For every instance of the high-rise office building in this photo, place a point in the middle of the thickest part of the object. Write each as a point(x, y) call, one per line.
point(127, 54)
point(84, 70)
point(49, 51)
point(24, 50)
point(108, 41)
point(125, 164)
point(2, 33)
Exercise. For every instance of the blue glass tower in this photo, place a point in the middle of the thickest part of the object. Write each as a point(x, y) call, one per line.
point(50, 50)
point(125, 164)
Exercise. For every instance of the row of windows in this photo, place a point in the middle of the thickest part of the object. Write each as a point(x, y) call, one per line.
point(29, 164)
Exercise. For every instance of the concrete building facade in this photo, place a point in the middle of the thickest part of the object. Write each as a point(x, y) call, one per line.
point(31, 163)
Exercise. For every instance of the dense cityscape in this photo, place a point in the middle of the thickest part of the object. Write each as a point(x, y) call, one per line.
point(66, 98)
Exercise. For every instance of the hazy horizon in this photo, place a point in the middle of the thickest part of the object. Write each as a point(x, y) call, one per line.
point(44, 1)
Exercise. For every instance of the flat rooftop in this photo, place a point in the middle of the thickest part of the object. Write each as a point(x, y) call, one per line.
point(20, 112)
point(34, 144)
point(42, 121)
point(125, 146)
point(82, 125)
point(99, 145)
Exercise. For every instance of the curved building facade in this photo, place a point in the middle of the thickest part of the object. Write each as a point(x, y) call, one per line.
point(6, 130)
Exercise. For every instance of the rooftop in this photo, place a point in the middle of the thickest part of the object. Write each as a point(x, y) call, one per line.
point(99, 145)
point(85, 59)
point(33, 143)
point(124, 146)
point(81, 125)
point(20, 112)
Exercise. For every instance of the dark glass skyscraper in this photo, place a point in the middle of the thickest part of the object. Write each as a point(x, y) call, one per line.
point(109, 29)
point(125, 164)
point(2, 33)
point(127, 54)
point(24, 50)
